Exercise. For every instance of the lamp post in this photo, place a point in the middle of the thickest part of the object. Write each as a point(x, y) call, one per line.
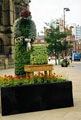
point(65, 9)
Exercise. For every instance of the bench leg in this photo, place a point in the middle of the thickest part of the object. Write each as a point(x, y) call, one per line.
point(27, 75)
point(46, 75)
point(31, 75)
point(50, 73)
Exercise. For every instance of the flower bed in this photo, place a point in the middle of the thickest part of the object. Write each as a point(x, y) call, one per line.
point(37, 79)
point(20, 95)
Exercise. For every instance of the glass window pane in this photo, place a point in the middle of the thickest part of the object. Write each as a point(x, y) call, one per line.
point(0, 14)
point(17, 12)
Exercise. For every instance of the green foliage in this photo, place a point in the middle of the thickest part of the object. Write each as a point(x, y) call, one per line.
point(69, 32)
point(64, 63)
point(37, 79)
point(66, 45)
point(39, 55)
point(22, 57)
point(54, 38)
point(24, 27)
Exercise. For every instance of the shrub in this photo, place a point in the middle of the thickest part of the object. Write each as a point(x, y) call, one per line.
point(22, 57)
point(64, 63)
point(39, 55)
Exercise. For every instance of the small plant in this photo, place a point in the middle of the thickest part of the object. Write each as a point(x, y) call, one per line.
point(65, 63)
point(37, 79)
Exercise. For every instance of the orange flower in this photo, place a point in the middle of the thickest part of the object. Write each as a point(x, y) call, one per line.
point(41, 73)
point(6, 80)
point(50, 78)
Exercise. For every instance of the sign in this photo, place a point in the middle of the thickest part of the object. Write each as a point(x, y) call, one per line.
point(61, 25)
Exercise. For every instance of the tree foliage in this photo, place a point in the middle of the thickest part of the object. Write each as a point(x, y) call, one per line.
point(56, 39)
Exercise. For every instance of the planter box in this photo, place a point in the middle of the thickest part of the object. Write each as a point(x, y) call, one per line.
point(29, 98)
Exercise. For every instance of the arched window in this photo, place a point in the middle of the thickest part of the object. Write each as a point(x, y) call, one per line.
point(18, 10)
point(1, 46)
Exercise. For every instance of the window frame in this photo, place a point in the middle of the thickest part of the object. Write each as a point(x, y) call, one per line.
point(0, 14)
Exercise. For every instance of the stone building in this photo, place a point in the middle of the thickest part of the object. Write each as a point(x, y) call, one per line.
point(9, 10)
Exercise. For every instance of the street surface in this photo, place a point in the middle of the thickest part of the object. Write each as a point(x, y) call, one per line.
point(76, 65)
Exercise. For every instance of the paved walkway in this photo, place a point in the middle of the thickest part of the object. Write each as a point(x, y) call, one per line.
point(70, 113)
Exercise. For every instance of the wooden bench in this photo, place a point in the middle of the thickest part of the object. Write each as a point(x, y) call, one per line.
point(29, 69)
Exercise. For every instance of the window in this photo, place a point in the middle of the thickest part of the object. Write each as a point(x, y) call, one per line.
point(18, 10)
point(0, 14)
point(1, 46)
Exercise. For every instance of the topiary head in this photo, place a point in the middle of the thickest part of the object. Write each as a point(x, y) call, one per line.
point(25, 13)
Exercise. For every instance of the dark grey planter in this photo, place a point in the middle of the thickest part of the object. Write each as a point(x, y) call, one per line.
point(29, 98)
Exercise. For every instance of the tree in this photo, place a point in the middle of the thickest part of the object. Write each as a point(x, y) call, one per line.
point(66, 46)
point(54, 37)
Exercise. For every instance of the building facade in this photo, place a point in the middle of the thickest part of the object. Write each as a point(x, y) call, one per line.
point(77, 32)
point(9, 11)
point(40, 40)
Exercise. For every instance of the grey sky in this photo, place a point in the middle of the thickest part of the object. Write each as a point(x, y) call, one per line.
point(47, 10)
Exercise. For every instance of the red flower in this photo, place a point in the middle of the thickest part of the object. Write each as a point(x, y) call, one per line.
point(25, 13)
point(50, 78)
point(6, 80)
point(41, 73)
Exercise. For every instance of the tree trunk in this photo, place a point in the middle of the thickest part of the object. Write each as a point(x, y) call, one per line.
point(55, 60)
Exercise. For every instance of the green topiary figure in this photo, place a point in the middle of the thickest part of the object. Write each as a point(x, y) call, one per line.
point(24, 31)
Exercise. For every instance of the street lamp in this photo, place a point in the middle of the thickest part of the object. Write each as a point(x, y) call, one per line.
point(65, 9)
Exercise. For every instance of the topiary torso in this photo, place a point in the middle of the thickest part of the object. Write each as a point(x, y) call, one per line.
point(25, 27)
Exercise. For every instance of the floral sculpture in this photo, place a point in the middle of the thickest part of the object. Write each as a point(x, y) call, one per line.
point(24, 31)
